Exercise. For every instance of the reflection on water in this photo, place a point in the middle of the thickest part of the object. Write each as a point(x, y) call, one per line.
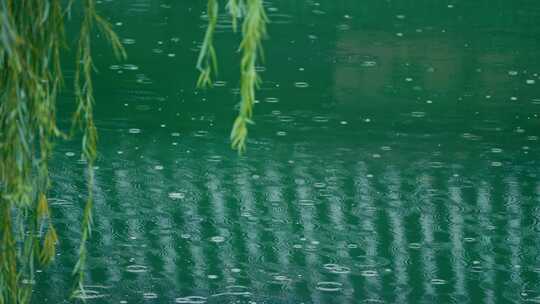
point(394, 160)
point(304, 228)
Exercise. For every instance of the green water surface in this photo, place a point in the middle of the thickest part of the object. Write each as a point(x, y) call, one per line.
point(394, 159)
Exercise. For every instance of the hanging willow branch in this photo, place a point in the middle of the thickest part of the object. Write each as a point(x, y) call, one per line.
point(30, 77)
point(253, 32)
point(83, 118)
point(207, 61)
point(31, 42)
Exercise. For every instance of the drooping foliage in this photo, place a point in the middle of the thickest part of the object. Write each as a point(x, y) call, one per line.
point(253, 31)
point(32, 43)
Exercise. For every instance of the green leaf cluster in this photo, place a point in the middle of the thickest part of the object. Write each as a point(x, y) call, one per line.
point(253, 31)
point(32, 41)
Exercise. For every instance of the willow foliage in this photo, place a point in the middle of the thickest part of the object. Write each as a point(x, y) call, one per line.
point(32, 41)
point(253, 31)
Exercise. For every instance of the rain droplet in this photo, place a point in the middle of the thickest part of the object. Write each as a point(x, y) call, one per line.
point(128, 41)
point(418, 114)
point(414, 245)
point(191, 300)
point(329, 286)
point(176, 195)
point(369, 273)
point(301, 84)
point(137, 268)
point(368, 64)
point(438, 281)
point(217, 239)
point(150, 295)
point(130, 67)
point(320, 118)
point(272, 99)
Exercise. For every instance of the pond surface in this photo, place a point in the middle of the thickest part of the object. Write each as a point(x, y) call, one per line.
point(394, 159)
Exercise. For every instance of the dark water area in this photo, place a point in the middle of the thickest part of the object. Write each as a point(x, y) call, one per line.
point(394, 159)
